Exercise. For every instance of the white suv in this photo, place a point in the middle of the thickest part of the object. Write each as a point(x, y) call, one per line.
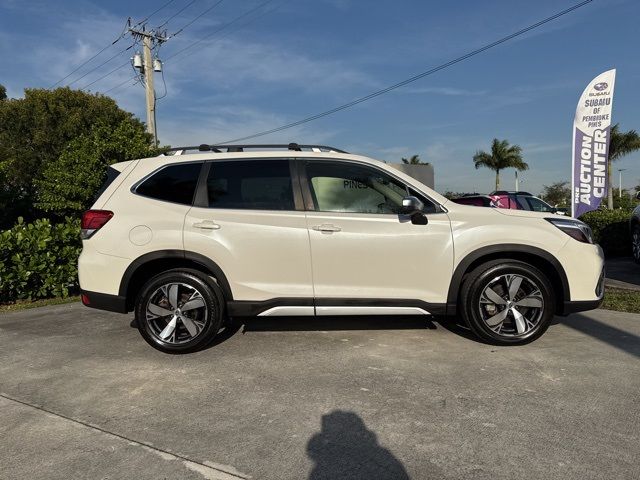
point(190, 240)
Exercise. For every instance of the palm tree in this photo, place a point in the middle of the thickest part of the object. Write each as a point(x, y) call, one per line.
point(414, 160)
point(621, 144)
point(502, 156)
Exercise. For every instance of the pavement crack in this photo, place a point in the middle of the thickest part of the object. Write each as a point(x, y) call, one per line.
point(204, 468)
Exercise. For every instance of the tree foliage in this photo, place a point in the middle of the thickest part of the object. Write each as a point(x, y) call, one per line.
point(34, 132)
point(68, 184)
point(625, 201)
point(502, 156)
point(3, 93)
point(413, 160)
point(558, 194)
point(620, 145)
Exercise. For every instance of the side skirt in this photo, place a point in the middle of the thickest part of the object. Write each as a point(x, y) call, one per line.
point(333, 306)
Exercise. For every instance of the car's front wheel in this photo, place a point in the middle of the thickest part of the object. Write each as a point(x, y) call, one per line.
point(179, 311)
point(507, 302)
point(635, 242)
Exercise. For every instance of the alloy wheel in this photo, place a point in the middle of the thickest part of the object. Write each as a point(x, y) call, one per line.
point(635, 244)
point(176, 313)
point(511, 305)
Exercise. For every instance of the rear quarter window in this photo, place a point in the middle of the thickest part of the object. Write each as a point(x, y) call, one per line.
point(173, 183)
point(111, 175)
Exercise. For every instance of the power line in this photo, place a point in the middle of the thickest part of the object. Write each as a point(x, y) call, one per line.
point(105, 75)
point(101, 65)
point(235, 20)
point(153, 13)
point(177, 13)
point(135, 77)
point(219, 29)
point(198, 17)
point(411, 79)
point(82, 65)
point(109, 46)
point(87, 61)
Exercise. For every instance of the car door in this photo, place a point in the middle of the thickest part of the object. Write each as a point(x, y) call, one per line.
point(363, 251)
point(248, 221)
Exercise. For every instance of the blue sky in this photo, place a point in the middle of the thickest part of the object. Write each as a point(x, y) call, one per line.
point(293, 58)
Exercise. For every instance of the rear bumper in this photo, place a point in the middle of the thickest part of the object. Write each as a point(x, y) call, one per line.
point(104, 301)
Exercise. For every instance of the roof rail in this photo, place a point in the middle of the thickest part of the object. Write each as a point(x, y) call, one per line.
point(241, 148)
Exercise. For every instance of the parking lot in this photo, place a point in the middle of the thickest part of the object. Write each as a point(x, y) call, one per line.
point(82, 396)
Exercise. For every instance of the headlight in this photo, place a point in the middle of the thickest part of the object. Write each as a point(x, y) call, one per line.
point(574, 228)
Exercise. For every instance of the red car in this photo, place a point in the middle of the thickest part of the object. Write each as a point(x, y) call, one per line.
point(507, 199)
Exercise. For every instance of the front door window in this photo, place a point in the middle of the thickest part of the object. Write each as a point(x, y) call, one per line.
point(351, 188)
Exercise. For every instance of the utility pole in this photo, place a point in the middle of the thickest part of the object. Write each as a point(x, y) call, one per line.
point(147, 65)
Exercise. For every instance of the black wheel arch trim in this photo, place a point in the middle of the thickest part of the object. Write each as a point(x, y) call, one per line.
point(506, 249)
point(206, 262)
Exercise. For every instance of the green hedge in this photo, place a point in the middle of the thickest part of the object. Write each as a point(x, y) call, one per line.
point(610, 230)
point(39, 260)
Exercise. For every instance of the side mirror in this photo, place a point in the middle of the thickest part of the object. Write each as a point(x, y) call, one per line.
point(554, 210)
point(411, 205)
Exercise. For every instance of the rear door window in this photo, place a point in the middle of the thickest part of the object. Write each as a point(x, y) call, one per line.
point(251, 185)
point(173, 183)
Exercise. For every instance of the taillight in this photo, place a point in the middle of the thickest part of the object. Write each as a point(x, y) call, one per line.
point(92, 221)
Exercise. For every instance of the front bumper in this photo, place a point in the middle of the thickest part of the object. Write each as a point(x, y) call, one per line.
point(580, 306)
point(574, 306)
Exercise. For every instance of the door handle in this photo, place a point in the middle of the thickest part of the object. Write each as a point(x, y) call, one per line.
point(207, 225)
point(326, 228)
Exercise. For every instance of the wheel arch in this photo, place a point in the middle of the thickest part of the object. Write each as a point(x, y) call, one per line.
point(150, 264)
point(534, 256)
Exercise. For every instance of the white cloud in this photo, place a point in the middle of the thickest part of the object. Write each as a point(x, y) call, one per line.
point(230, 62)
point(228, 122)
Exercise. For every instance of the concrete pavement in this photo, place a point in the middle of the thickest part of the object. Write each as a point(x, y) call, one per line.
point(82, 396)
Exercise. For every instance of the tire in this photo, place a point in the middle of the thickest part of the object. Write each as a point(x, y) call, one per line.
point(635, 243)
point(507, 302)
point(164, 324)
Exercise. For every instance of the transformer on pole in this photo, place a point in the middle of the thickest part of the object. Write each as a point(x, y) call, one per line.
point(147, 65)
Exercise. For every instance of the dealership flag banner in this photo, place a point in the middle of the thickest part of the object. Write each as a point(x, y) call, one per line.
point(591, 136)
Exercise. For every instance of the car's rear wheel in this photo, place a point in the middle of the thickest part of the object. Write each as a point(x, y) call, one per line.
point(507, 302)
point(179, 311)
point(635, 242)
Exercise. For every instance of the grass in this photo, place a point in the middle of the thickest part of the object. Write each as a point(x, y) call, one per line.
point(25, 304)
point(621, 300)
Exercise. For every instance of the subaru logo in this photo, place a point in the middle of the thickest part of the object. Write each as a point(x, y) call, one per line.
point(601, 86)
